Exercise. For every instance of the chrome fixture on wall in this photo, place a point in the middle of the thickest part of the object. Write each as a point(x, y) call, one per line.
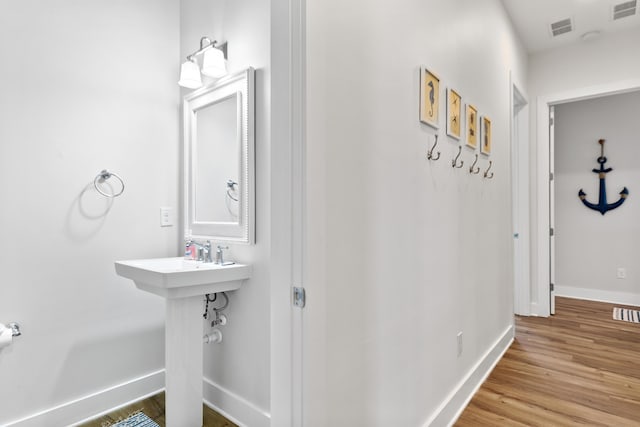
point(232, 186)
point(103, 176)
point(213, 63)
point(8, 332)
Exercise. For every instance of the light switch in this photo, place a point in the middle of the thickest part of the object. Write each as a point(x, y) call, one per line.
point(166, 217)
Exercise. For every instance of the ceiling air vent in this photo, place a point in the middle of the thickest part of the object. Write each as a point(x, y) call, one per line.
point(561, 27)
point(625, 9)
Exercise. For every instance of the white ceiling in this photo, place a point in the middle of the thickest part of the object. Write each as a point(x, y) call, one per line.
point(532, 19)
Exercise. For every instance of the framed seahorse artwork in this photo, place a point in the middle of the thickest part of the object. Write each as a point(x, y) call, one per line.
point(485, 135)
point(472, 126)
point(429, 97)
point(454, 113)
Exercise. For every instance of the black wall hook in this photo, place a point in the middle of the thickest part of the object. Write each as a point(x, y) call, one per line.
point(475, 170)
point(430, 155)
point(454, 162)
point(486, 173)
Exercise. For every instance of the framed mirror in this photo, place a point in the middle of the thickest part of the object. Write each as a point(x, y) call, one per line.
point(219, 162)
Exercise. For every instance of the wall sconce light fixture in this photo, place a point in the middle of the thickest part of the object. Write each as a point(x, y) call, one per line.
point(213, 63)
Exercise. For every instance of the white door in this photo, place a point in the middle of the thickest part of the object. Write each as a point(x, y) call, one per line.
point(520, 202)
point(552, 239)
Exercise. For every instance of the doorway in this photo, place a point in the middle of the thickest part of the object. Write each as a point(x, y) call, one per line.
point(541, 294)
point(520, 200)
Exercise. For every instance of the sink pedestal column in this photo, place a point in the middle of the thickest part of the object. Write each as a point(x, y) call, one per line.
point(183, 283)
point(183, 361)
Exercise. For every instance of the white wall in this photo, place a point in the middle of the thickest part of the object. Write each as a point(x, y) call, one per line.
point(85, 86)
point(600, 61)
point(237, 371)
point(403, 253)
point(601, 65)
point(589, 246)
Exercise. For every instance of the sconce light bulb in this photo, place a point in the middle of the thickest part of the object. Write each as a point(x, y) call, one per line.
point(213, 63)
point(190, 75)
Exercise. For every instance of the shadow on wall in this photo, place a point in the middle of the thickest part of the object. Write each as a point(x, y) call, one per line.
point(88, 213)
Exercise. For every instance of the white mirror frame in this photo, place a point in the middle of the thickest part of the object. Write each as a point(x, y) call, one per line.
point(242, 85)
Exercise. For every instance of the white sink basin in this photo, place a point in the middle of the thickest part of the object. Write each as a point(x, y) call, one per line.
point(180, 278)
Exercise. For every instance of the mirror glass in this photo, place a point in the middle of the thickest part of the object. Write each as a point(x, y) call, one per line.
point(217, 144)
point(219, 170)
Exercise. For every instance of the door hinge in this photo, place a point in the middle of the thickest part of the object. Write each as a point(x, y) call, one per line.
point(550, 121)
point(299, 297)
point(551, 232)
point(552, 287)
point(551, 176)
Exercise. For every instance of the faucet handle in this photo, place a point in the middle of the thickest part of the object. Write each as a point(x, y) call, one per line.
point(206, 253)
point(219, 254)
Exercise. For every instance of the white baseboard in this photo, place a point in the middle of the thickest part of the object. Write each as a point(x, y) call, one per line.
point(616, 297)
point(96, 404)
point(227, 403)
point(452, 407)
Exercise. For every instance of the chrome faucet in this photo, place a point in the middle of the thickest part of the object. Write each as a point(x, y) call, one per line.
point(206, 252)
point(220, 254)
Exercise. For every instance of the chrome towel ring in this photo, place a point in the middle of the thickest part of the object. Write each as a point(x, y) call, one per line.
point(102, 177)
point(231, 184)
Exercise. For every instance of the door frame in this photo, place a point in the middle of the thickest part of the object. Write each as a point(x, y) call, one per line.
point(288, 168)
point(541, 298)
point(520, 196)
point(552, 211)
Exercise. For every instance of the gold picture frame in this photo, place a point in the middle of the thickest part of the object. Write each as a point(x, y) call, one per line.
point(454, 113)
point(485, 135)
point(429, 97)
point(472, 126)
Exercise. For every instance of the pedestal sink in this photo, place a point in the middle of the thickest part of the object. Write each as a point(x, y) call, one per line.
point(183, 283)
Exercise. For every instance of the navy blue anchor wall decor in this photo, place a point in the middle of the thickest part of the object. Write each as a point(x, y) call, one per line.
point(602, 205)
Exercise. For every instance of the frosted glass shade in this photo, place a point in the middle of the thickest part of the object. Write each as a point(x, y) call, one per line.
point(213, 64)
point(190, 75)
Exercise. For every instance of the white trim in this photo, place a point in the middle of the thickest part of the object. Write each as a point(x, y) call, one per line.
point(241, 87)
point(552, 211)
point(520, 205)
point(541, 264)
point(542, 215)
point(298, 199)
point(227, 402)
point(615, 297)
point(451, 408)
point(96, 404)
point(287, 131)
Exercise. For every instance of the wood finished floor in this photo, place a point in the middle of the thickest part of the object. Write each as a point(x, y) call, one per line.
point(578, 367)
point(153, 407)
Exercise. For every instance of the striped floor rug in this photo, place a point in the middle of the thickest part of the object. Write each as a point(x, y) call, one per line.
point(626, 315)
point(137, 420)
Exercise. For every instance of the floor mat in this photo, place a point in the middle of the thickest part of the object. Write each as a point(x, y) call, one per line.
point(137, 420)
point(626, 315)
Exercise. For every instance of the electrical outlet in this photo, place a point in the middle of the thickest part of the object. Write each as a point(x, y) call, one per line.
point(459, 337)
point(166, 217)
point(621, 273)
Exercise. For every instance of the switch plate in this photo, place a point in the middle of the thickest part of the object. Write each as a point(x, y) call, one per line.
point(621, 273)
point(166, 217)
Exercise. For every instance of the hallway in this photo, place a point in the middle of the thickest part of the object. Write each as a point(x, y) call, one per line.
point(577, 367)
